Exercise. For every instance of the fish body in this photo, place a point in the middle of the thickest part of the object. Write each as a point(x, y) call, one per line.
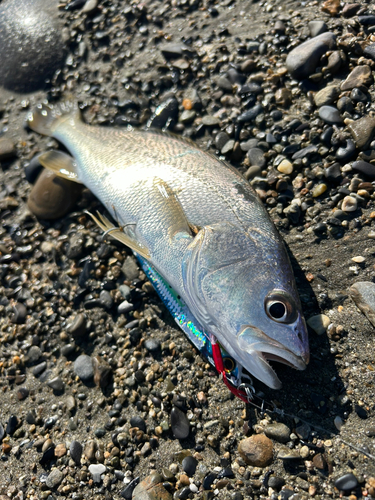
point(199, 226)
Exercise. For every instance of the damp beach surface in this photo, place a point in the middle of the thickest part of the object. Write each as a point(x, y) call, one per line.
point(102, 396)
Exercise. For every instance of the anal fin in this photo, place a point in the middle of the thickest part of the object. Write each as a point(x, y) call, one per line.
point(61, 164)
point(117, 233)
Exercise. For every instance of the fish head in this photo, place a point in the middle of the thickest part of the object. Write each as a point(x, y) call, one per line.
point(242, 289)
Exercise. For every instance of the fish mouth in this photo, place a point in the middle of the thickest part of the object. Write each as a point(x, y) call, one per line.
point(258, 349)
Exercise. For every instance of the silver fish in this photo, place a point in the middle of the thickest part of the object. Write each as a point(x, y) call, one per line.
point(199, 225)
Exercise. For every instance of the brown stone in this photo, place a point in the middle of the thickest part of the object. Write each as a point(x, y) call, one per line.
point(7, 149)
point(257, 450)
point(151, 488)
point(319, 461)
point(6, 448)
point(60, 450)
point(52, 196)
point(283, 97)
point(331, 7)
point(363, 131)
point(360, 77)
point(102, 371)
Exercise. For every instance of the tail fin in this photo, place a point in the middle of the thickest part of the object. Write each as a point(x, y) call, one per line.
point(45, 117)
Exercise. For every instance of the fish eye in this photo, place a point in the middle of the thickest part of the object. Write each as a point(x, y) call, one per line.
point(280, 307)
point(229, 364)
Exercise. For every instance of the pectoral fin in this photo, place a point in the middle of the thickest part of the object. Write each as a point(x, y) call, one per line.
point(117, 233)
point(61, 164)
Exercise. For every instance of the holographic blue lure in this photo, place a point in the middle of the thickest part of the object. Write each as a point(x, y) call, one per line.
point(238, 382)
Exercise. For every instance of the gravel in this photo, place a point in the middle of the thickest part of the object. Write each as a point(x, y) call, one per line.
point(101, 393)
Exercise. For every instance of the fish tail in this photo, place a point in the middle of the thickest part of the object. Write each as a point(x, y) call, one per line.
point(44, 118)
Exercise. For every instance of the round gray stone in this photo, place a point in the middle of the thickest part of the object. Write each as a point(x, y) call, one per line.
point(83, 367)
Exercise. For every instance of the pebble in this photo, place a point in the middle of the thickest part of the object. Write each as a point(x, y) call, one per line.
point(52, 197)
point(138, 421)
point(319, 323)
point(302, 61)
point(2, 433)
point(54, 478)
point(285, 167)
point(127, 492)
point(165, 115)
point(76, 451)
point(369, 51)
point(363, 294)
point(102, 371)
point(317, 28)
point(189, 465)
point(319, 189)
point(368, 20)
point(256, 157)
point(130, 268)
point(96, 470)
point(278, 431)
point(286, 453)
point(34, 354)
point(32, 33)
point(362, 130)
point(349, 204)
point(346, 153)
point(332, 7)
point(7, 149)
point(210, 121)
point(19, 314)
point(179, 423)
point(83, 367)
point(330, 115)
point(151, 488)
point(256, 450)
point(60, 450)
point(347, 482)
point(360, 77)
point(77, 326)
point(365, 168)
point(327, 95)
point(56, 384)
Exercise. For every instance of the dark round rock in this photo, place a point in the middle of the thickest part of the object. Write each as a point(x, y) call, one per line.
point(179, 423)
point(346, 153)
point(365, 168)
point(361, 412)
point(106, 299)
point(276, 482)
point(357, 95)
point(208, 480)
point(345, 104)
point(83, 367)
point(19, 314)
point(12, 425)
point(31, 32)
point(152, 345)
point(189, 465)
point(347, 482)
point(138, 421)
point(256, 157)
point(369, 51)
point(22, 393)
point(76, 451)
point(368, 20)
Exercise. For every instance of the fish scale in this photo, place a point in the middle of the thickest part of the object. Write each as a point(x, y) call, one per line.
point(231, 286)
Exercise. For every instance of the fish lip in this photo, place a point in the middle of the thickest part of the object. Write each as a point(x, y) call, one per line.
point(263, 349)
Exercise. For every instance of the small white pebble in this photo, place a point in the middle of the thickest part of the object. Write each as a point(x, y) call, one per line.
point(349, 204)
point(359, 259)
point(193, 488)
point(285, 167)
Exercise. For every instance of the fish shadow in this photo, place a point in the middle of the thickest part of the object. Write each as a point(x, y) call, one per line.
point(312, 395)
